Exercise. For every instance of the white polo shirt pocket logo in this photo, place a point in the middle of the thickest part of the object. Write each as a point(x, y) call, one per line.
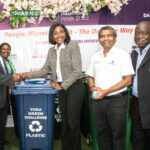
point(112, 62)
point(111, 65)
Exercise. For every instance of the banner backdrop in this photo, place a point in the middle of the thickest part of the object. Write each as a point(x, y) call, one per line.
point(30, 45)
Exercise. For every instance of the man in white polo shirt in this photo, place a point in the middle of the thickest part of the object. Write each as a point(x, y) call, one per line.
point(110, 72)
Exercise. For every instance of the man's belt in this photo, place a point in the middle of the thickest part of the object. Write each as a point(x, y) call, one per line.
point(117, 95)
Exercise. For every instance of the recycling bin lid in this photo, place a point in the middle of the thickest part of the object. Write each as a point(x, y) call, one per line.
point(33, 86)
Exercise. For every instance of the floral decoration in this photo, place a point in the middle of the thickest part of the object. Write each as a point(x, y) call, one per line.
point(50, 8)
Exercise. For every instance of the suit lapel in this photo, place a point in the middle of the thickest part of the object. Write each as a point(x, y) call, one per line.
point(54, 58)
point(146, 58)
point(3, 65)
point(134, 59)
point(62, 55)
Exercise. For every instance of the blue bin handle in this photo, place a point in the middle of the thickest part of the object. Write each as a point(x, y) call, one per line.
point(35, 81)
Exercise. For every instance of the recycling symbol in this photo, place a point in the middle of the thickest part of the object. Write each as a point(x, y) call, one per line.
point(35, 126)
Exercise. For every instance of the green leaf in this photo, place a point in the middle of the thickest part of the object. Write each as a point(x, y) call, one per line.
point(22, 20)
point(2, 16)
point(89, 8)
point(103, 4)
point(28, 8)
point(13, 22)
point(13, 8)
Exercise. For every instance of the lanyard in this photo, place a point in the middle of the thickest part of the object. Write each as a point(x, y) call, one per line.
point(10, 67)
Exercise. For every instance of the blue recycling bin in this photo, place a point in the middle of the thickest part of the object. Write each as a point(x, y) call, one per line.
point(35, 108)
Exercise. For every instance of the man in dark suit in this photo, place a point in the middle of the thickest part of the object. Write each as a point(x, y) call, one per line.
point(6, 80)
point(141, 88)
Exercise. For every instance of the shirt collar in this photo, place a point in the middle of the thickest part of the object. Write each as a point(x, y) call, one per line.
point(144, 50)
point(112, 50)
point(60, 47)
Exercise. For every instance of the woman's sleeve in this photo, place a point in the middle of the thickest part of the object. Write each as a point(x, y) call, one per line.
point(6, 80)
point(44, 70)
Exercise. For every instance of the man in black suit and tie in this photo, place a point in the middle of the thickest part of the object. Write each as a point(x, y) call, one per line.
point(6, 80)
point(141, 88)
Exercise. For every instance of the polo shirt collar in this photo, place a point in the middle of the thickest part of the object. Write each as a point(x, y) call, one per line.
point(112, 50)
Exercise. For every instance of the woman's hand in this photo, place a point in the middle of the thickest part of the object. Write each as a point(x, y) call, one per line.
point(24, 75)
point(56, 86)
point(10, 89)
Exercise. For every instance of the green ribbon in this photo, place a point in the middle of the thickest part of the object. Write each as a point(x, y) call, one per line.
point(128, 127)
point(92, 122)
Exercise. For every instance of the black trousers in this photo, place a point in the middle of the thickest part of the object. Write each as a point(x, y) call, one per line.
point(3, 118)
point(14, 111)
point(110, 119)
point(140, 136)
point(70, 106)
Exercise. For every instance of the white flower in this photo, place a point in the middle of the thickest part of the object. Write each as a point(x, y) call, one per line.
point(49, 11)
point(40, 19)
point(8, 8)
point(114, 6)
point(18, 5)
point(50, 8)
point(125, 2)
point(31, 3)
point(12, 2)
point(55, 11)
point(61, 8)
point(6, 3)
point(31, 20)
point(25, 4)
point(60, 2)
point(76, 1)
point(7, 14)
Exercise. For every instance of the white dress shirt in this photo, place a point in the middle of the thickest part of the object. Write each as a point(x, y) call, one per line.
point(58, 70)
